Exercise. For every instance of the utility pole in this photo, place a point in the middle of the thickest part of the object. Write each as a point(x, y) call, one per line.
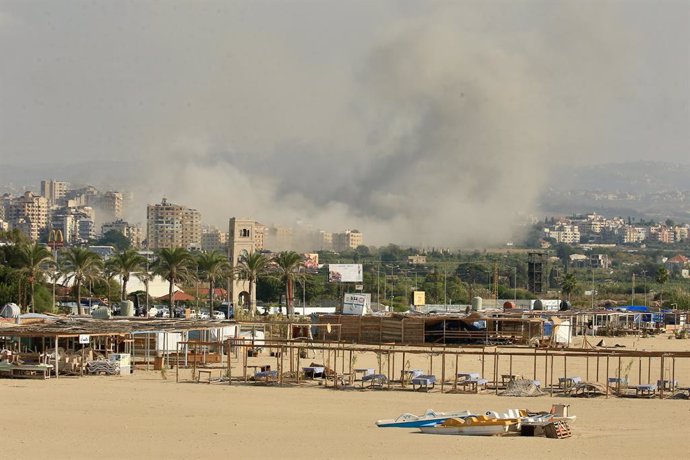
point(632, 300)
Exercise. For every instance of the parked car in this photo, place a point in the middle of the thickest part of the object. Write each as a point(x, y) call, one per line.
point(218, 315)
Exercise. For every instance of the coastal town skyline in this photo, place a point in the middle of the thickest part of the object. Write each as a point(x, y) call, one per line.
point(425, 120)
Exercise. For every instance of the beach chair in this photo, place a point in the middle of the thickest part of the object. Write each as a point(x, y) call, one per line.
point(568, 382)
point(423, 381)
point(474, 385)
point(374, 380)
point(267, 376)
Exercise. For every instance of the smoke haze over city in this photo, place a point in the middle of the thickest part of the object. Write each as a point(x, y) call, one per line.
point(433, 123)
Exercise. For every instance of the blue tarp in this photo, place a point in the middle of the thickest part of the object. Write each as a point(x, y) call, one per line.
point(634, 308)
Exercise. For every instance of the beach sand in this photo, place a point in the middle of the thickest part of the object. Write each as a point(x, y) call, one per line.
point(145, 416)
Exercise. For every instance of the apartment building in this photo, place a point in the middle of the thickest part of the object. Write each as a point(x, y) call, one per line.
point(170, 225)
point(351, 239)
point(29, 214)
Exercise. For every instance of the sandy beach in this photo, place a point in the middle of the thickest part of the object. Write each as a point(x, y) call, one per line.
point(145, 416)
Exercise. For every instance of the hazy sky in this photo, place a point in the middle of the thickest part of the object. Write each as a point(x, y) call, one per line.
point(404, 118)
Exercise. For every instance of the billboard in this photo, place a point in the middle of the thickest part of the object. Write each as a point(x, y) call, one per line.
point(311, 262)
point(345, 273)
point(419, 298)
point(356, 304)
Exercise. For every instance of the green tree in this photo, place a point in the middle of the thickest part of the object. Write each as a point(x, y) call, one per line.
point(145, 276)
point(288, 265)
point(115, 239)
point(123, 265)
point(36, 260)
point(81, 266)
point(569, 284)
point(213, 266)
point(251, 267)
point(174, 265)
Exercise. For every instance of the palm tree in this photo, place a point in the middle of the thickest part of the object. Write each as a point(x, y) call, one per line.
point(250, 268)
point(145, 276)
point(213, 266)
point(35, 260)
point(174, 265)
point(288, 264)
point(82, 266)
point(569, 284)
point(123, 265)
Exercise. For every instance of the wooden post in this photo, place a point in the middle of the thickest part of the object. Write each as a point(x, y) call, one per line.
point(639, 372)
point(546, 365)
point(496, 370)
point(619, 375)
point(455, 379)
point(587, 364)
point(510, 368)
point(177, 364)
point(390, 374)
point(649, 371)
point(673, 370)
point(535, 365)
point(565, 366)
point(57, 364)
point(551, 379)
point(607, 376)
point(443, 368)
point(663, 375)
point(483, 357)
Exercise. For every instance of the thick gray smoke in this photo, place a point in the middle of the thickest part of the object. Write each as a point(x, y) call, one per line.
point(453, 121)
point(420, 123)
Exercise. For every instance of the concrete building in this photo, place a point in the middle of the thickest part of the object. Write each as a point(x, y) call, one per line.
point(29, 214)
point(280, 239)
point(563, 233)
point(132, 232)
point(172, 226)
point(416, 260)
point(111, 204)
point(240, 243)
point(351, 239)
point(212, 239)
point(260, 231)
point(54, 191)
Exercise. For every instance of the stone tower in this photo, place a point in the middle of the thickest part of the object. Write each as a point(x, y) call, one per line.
point(240, 242)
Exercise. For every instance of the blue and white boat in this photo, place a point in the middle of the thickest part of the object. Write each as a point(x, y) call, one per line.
point(429, 418)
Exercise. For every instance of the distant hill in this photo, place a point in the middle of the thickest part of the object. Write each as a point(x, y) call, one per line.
point(635, 177)
point(650, 190)
point(103, 174)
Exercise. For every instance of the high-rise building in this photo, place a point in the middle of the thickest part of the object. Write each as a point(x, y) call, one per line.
point(29, 214)
point(212, 239)
point(54, 191)
point(240, 243)
point(111, 203)
point(260, 231)
point(351, 239)
point(172, 226)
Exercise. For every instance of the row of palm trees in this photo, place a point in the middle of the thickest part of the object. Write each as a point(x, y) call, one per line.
point(176, 265)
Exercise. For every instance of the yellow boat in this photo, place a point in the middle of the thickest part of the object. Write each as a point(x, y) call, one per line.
point(475, 425)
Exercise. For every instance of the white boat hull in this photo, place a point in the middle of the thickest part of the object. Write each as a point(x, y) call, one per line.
point(471, 430)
